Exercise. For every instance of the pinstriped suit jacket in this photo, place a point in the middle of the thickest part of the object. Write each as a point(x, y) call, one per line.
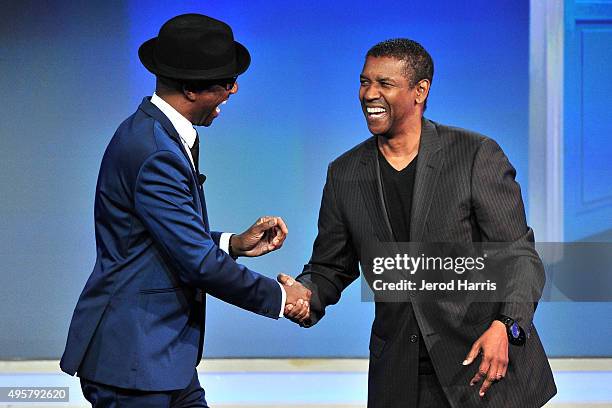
point(465, 191)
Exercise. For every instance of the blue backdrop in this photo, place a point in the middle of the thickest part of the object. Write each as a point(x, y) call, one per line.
point(70, 75)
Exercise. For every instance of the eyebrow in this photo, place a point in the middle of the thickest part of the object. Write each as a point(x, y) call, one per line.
point(388, 79)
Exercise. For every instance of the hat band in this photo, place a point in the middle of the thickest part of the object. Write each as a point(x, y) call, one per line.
point(182, 73)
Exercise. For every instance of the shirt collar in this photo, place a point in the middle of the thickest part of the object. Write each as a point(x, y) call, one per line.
point(183, 126)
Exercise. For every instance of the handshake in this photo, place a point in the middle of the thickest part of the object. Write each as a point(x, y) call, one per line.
point(267, 234)
point(297, 304)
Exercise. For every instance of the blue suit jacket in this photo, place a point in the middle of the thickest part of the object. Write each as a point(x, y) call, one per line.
point(139, 322)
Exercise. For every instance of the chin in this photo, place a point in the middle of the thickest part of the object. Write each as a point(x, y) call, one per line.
point(378, 130)
point(206, 122)
point(378, 127)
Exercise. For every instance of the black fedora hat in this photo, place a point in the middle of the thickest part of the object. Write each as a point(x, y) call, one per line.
point(194, 47)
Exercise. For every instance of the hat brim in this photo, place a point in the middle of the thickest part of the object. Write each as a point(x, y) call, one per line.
point(146, 54)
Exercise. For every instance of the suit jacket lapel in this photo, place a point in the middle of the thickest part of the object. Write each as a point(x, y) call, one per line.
point(147, 107)
point(371, 189)
point(429, 164)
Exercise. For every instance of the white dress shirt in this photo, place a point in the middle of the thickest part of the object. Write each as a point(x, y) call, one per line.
point(187, 134)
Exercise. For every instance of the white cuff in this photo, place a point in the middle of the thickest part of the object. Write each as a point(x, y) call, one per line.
point(283, 300)
point(224, 241)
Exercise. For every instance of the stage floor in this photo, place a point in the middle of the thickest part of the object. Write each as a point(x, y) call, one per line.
point(338, 383)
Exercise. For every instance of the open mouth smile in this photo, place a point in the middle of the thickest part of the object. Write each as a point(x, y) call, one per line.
point(218, 108)
point(375, 112)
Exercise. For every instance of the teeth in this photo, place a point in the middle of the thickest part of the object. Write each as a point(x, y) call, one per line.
point(375, 110)
point(217, 109)
point(224, 102)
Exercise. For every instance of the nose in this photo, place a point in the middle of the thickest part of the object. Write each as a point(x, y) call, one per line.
point(371, 92)
point(234, 88)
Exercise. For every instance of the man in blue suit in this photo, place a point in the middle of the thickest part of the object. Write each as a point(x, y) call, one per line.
point(137, 331)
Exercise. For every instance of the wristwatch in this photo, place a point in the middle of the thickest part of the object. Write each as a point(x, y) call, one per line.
point(516, 335)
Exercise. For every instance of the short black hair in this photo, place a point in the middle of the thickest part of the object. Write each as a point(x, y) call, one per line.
point(419, 64)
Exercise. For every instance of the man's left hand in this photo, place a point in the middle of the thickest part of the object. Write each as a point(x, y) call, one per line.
point(266, 235)
point(494, 347)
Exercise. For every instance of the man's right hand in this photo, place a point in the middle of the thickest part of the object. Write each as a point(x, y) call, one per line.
point(297, 305)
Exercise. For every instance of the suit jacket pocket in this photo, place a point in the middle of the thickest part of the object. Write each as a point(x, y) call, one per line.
point(377, 345)
point(159, 290)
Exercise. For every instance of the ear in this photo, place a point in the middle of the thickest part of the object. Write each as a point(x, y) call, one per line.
point(422, 90)
point(190, 95)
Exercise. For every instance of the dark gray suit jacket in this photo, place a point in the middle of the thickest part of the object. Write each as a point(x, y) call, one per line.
point(464, 191)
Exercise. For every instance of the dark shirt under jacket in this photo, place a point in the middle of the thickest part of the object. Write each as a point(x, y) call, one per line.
point(398, 187)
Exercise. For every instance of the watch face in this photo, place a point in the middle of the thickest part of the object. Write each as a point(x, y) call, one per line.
point(515, 330)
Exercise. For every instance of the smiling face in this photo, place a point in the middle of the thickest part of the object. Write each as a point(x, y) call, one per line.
point(207, 103)
point(389, 103)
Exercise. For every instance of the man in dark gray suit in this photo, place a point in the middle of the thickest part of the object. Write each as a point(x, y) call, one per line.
point(420, 181)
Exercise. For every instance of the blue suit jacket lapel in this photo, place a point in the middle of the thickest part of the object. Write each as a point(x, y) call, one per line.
point(147, 107)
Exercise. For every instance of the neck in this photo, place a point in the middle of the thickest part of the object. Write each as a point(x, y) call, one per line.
point(178, 102)
point(402, 145)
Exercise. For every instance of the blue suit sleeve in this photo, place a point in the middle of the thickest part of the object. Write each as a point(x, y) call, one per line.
point(165, 204)
point(216, 236)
